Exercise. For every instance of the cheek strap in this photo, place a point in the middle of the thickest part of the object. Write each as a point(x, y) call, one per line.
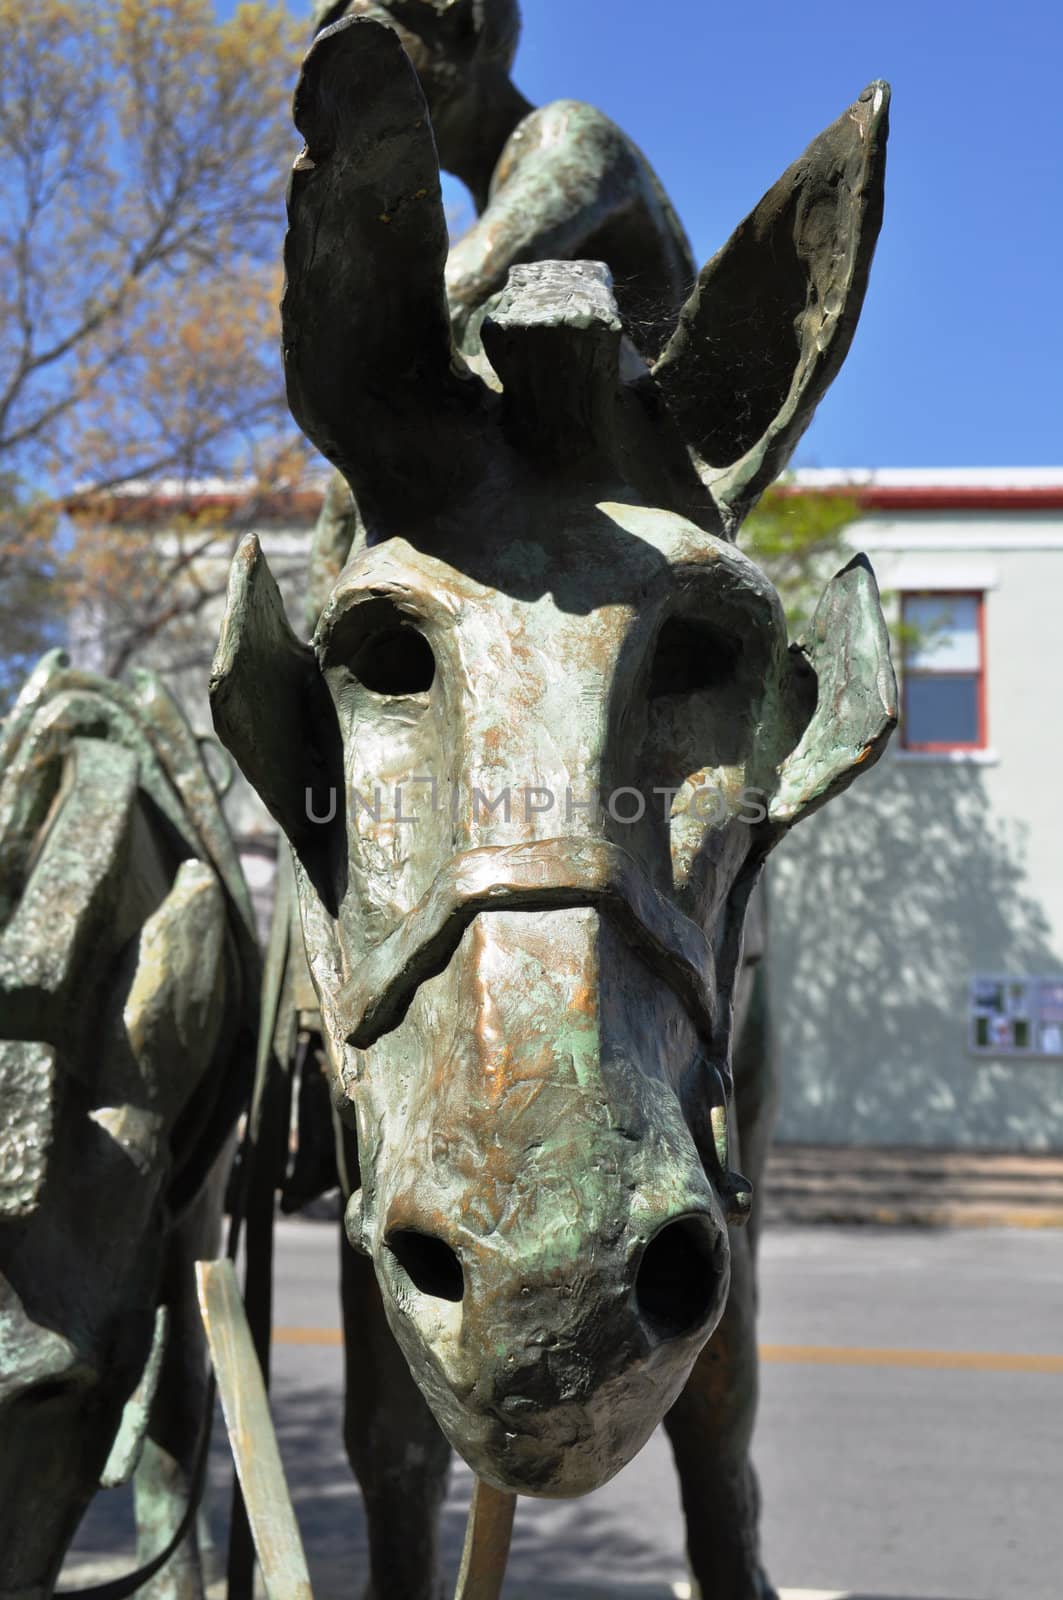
point(549, 874)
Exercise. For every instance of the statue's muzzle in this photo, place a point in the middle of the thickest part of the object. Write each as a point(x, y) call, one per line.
point(551, 1252)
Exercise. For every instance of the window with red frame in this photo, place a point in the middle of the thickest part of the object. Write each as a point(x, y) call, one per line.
point(944, 672)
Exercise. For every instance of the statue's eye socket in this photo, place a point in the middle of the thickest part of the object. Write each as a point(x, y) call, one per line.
point(395, 661)
point(693, 655)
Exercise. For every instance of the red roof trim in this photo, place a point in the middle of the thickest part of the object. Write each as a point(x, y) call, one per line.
point(135, 509)
point(960, 497)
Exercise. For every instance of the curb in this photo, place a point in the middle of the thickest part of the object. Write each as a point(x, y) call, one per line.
point(887, 1187)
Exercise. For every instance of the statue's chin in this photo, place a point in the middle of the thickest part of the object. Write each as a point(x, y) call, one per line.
point(568, 1453)
point(529, 1466)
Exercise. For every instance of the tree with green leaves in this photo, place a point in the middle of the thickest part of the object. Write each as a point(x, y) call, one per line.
point(799, 538)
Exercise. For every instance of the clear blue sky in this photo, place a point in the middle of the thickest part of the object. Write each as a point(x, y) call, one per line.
point(958, 360)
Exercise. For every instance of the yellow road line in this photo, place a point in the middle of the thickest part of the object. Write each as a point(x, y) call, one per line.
point(826, 1355)
point(307, 1336)
point(965, 1216)
point(812, 1355)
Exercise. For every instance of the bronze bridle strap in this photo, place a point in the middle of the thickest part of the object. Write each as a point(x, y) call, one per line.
point(544, 875)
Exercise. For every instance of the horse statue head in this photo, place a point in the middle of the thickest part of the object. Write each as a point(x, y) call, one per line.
point(547, 730)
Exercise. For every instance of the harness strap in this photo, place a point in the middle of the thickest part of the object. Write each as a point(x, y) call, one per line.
point(264, 1154)
point(539, 875)
point(122, 1588)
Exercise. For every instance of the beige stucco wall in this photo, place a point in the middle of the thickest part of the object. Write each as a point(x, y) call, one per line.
point(930, 870)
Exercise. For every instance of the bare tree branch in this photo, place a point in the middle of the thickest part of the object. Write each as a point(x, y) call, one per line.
point(143, 147)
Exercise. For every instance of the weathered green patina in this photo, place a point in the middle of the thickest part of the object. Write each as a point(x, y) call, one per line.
point(547, 730)
point(128, 1002)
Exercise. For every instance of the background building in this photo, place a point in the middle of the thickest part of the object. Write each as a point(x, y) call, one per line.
point(917, 923)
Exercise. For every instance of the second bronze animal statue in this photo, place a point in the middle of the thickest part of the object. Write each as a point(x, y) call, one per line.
point(531, 764)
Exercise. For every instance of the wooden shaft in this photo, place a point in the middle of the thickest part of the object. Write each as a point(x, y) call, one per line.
point(487, 1537)
point(251, 1436)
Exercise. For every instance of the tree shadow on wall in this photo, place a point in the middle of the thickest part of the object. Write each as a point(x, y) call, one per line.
point(883, 906)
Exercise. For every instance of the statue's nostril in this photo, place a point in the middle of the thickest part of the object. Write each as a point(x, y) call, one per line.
point(431, 1266)
point(679, 1278)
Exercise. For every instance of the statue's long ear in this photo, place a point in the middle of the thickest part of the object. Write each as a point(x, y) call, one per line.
point(372, 378)
point(856, 707)
point(773, 313)
point(273, 712)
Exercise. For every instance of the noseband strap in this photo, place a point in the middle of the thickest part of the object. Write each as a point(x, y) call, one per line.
point(545, 875)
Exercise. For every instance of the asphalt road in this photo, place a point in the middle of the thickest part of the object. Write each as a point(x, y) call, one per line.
point(910, 1443)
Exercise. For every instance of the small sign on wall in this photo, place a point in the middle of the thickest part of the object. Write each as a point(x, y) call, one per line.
point(1012, 1016)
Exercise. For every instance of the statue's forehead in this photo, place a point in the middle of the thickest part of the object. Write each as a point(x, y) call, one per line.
point(612, 556)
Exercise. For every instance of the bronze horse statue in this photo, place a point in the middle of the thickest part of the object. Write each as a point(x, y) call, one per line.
point(129, 980)
point(530, 766)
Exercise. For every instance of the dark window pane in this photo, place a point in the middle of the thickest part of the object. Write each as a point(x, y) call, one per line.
point(941, 711)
